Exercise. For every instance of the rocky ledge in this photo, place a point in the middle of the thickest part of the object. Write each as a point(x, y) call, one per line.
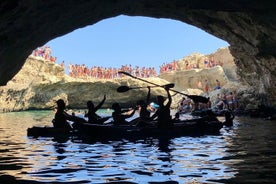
point(40, 83)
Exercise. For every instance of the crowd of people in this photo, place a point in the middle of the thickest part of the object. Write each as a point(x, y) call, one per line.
point(226, 101)
point(172, 66)
point(166, 67)
point(45, 53)
point(99, 72)
point(211, 63)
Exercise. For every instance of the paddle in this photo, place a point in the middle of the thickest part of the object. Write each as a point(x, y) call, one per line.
point(123, 89)
point(195, 98)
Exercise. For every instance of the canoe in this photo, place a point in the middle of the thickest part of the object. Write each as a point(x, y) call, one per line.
point(193, 127)
point(177, 130)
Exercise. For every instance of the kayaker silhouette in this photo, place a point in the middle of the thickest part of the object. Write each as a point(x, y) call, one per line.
point(119, 116)
point(163, 112)
point(62, 117)
point(93, 117)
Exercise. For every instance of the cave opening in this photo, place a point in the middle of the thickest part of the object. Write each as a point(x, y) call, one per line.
point(132, 40)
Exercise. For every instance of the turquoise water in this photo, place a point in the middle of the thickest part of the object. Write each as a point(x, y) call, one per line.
point(245, 153)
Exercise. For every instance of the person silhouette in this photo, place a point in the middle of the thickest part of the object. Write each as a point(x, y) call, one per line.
point(144, 112)
point(229, 116)
point(61, 117)
point(163, 112)
point(93, 117)
point(119, 116)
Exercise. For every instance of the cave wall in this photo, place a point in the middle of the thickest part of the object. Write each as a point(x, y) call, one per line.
point(248, 26)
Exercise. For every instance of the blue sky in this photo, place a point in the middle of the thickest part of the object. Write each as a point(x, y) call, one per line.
point(139, 41)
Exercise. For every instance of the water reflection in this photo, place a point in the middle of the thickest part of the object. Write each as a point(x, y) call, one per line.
point(251, 151)
point(242, 154)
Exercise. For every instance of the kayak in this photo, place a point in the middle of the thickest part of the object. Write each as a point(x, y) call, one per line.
point(191, 127)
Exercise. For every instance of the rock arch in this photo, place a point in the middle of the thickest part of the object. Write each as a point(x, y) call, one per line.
point(248, 26)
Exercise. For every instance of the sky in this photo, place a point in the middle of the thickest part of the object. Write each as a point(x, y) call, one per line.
point(139, 41)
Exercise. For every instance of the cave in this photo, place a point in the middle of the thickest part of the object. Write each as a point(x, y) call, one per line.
point(248, 26)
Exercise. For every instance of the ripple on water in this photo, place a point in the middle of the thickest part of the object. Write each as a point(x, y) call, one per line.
point(241, 154)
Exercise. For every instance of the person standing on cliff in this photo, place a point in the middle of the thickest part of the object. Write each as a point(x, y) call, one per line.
point(217, 84)
point(62, 64)
point(206, 62)
point(206, 87)
point(199, 85)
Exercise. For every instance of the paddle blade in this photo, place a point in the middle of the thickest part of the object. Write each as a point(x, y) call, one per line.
point(123, 89)
point(125, 73)
point(171, 85)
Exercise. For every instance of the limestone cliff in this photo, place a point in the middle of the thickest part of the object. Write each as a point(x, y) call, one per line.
point(187, 80)
point(40, 83)
point(184, 78)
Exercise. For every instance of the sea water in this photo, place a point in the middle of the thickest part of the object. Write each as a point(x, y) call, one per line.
point(244, 153)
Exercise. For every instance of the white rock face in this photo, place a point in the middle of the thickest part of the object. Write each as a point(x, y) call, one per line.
point(40, 83)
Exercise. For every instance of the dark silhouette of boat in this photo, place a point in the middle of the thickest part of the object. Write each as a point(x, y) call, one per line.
point(194, 127)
